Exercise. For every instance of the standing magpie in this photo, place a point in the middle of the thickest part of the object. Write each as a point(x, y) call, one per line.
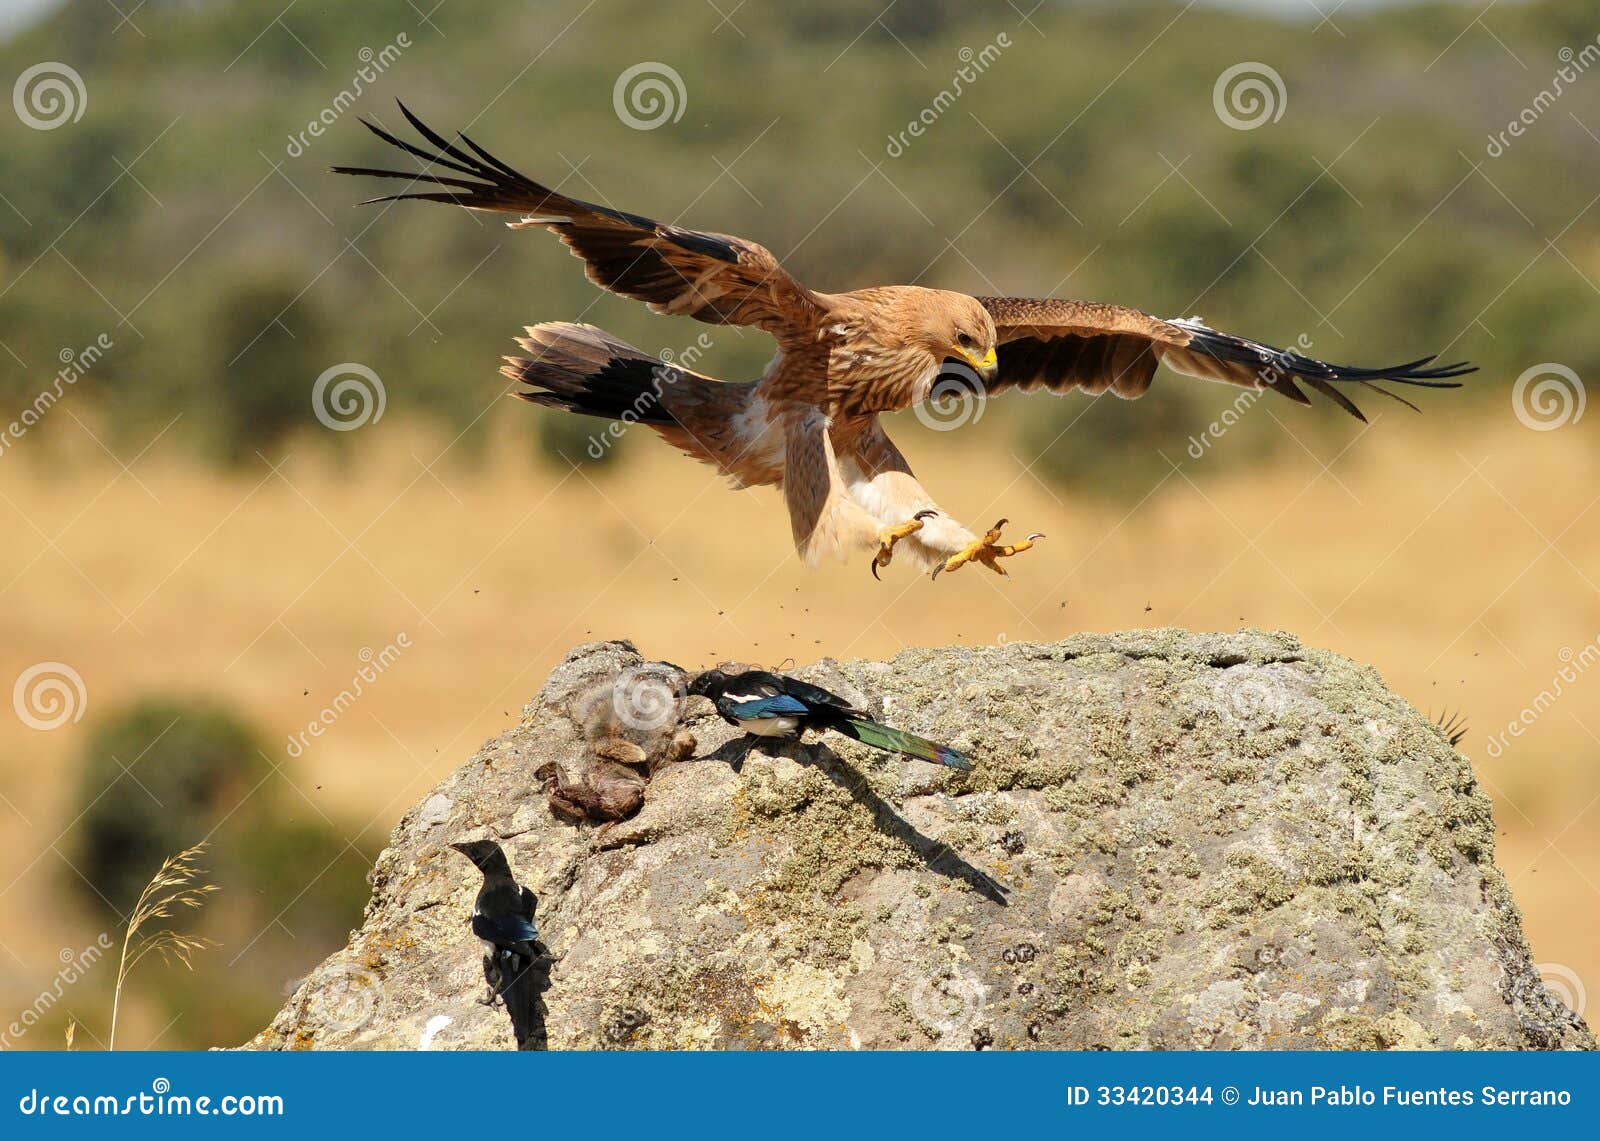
point(772, 705)
point(516, 963)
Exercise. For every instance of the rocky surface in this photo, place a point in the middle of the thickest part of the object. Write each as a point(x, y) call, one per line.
point(1169, 841)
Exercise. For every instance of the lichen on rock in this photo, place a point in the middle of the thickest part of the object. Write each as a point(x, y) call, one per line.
point(1170, 840)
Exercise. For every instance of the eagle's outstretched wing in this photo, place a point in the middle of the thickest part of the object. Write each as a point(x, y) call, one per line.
point(713, 277)
point(1066, 345)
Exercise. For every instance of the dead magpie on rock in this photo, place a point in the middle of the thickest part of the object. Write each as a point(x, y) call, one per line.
point(516, 963)
point(772, 705)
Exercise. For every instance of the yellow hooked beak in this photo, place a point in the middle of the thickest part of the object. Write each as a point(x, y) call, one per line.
point(986, 365)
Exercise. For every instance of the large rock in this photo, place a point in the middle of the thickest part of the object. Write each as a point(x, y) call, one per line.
point(1170, 840)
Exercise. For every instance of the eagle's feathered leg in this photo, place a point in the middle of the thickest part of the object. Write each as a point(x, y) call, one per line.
point(880, 480)
point(825, 519)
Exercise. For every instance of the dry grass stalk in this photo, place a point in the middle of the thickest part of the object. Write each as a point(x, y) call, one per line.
point(174, 886)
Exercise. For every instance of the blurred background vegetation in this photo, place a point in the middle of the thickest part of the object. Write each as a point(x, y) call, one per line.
point(181, 217)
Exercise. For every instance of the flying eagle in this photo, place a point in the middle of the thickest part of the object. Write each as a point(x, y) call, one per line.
point(810, 425)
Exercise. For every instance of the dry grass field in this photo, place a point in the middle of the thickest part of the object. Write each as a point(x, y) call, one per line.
point(1462, 567)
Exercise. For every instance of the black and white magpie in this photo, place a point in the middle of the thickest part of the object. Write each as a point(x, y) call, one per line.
point(515, 961)
point(772, 705)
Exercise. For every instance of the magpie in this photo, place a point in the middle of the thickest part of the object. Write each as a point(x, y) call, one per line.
point(772, 705)
point(516, 963)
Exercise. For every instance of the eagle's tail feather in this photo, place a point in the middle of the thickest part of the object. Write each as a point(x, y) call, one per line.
point(579, 368)
point(870, 732)
point(584, 369)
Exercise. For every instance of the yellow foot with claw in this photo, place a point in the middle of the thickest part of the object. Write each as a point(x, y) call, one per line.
point(987, 551)
point(889, 536)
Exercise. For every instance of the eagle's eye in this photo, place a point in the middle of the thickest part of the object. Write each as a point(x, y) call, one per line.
point(964, 341)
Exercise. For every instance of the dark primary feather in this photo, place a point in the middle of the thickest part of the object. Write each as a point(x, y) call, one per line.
point(713, 277)
point(1279, 369)
point(1091, 347)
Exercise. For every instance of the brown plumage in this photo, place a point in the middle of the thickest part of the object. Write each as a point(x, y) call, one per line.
point(810, 425)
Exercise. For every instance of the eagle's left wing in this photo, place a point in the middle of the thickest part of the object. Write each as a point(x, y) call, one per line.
point(714, 277)
point(1090, 347)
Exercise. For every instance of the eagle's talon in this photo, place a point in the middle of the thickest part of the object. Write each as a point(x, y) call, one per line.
point(987, 551)
point(889, 536)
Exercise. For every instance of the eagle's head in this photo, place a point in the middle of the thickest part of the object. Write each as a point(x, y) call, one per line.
point(955, 327)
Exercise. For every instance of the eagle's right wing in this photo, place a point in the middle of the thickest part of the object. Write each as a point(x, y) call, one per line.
point(713, 277)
